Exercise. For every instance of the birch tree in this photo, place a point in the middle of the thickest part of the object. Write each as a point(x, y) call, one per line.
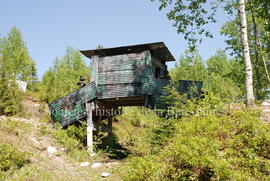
point(191, 17)
point(246, 53)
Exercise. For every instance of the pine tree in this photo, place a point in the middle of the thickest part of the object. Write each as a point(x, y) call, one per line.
point(62, 78)
point(10, 95)
point(16, 64)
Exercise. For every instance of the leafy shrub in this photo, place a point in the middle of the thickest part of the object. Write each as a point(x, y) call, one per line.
point(219, 144)
point(140, 130)
point(78, 132)
point(71, 139)
point(43, 129)
point(233, 146)
point(11, 158)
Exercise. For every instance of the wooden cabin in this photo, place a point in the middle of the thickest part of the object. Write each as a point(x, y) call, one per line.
point(122, 76)
point(130, 75)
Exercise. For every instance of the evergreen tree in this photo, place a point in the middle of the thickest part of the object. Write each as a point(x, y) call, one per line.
point(62, 78)
point(190, 67)
point(16, 57)
point(10, 96)
point(16, 64)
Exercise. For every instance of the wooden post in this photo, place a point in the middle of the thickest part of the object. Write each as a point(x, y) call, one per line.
point(146, 101)
point(89, 109)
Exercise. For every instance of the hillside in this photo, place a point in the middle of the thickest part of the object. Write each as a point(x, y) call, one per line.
point(231, 145)
point(105, 90)
point(33, 149)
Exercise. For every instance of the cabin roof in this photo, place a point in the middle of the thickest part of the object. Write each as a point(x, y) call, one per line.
point(158, 49)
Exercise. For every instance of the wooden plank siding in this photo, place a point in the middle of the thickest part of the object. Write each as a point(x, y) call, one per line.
point(125, 75)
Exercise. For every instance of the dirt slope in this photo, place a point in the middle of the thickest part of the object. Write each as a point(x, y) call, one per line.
point(26, 135)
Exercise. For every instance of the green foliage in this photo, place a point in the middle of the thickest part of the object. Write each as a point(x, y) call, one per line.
point(141, 130)
point(190, 17)
point(219, 64)
point(190, 67)
point(62, 78)
point(258, 36)
point(44, 129)
point(33, 172)
point(15, 64)
point(78, 132)
point(225, 87)
point(72, 139)
point(14, 126)
point(262, 7)
point(218, 72)
point(10, 97)
point(222, 72)
point(228, 146)
point(11, 158)
point(16, 58)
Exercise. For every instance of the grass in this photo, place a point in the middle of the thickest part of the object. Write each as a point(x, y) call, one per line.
point(14, 126)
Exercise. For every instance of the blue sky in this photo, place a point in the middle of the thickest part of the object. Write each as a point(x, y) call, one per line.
point(50, 26)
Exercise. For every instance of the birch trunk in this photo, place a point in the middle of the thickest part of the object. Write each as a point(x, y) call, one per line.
point(248, 66)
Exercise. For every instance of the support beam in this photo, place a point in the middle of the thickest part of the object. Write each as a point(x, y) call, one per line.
point(146, 101)
point(89, 110)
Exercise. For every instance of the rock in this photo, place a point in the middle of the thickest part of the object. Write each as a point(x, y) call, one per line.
point(51, 150)
point(35, 141)
point(95, 165)
point(265, 114)
point(266, 103)
point(105, 174)
point(111, 164)
point(84, 164)
point(92, 154)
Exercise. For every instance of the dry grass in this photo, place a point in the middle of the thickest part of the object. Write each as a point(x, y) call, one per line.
point(34, 136)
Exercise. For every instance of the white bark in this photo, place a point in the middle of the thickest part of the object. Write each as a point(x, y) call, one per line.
point(248, 66)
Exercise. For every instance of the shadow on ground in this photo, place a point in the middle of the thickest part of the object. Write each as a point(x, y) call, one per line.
point(114, 150)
